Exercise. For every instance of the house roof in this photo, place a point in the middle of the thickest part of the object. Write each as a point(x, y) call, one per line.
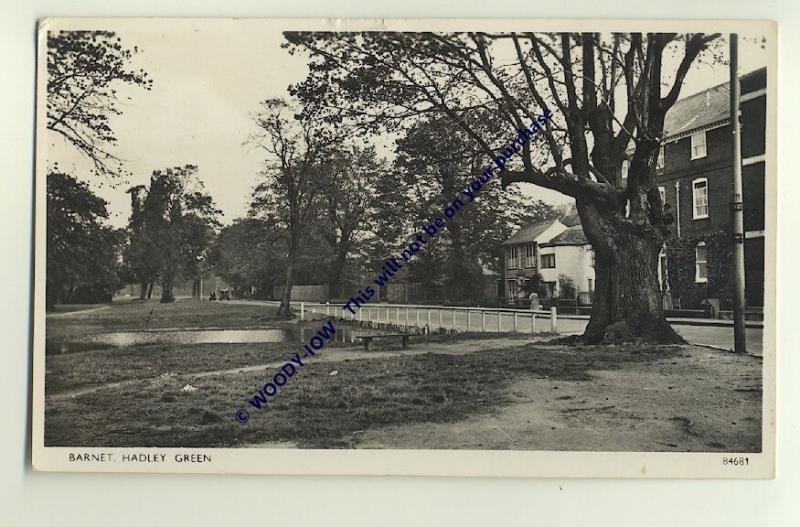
point(707, 107)
point(571, 218)
point(528, 234)
point(572, 236)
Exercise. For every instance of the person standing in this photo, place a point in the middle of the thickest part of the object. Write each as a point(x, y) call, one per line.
point(534, 298)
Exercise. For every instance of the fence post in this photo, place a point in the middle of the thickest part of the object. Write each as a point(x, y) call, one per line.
point(553, 319)
point(407, 311)
point(360, 315)
point(429, 318)
point(483, 321)
point(397, 316)
point(387, 315)
point(469, 313)
point(327, 309)
point(441, 312)
point(302, 311)
point(499, 316)
point(515, 321)
point(417, 312)
point(533, 323)
point(454, 318)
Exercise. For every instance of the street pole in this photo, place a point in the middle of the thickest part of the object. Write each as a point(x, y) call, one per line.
point(737, 214)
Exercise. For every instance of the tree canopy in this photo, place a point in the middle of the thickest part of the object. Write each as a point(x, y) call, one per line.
point(609, 94)
point(85, 70)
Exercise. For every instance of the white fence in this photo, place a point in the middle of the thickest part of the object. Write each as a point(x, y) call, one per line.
point(443, 317)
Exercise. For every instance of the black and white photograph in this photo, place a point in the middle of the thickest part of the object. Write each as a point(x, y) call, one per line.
point(415, 247)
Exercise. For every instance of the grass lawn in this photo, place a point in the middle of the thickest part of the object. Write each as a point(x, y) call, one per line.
point(390, 398)
point(70, 308)
point(133, 315)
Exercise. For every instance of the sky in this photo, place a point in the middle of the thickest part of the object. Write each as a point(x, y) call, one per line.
point(207, 84)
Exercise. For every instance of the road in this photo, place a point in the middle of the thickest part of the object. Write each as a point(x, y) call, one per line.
point(435, 318)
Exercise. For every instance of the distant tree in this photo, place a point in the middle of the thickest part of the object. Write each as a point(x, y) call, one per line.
point(142, 255)
point(294, 170)
point(436, 160)
point(84, 72)
point(170, 228)
point(249, 253)
point(81, 252)
point(347, 192)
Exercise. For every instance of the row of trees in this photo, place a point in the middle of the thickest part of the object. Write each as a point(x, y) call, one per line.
point(82, 264)
point(172, 223)
point(172, 220)
point(451, 99)
point(85, 69)
point(332, 211)
point(609, 94)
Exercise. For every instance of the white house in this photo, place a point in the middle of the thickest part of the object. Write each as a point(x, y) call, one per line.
point(521, 254)
point(568, 254)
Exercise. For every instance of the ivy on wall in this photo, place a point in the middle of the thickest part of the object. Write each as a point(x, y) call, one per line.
point(681, 269)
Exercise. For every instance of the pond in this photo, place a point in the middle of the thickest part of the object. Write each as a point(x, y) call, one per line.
point(206, 336)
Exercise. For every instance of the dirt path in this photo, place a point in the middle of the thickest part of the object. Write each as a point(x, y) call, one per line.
point(328, 355)
point(631, 409)
point(73, 313)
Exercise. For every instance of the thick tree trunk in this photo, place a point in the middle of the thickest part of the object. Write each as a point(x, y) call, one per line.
point(167, 295)
point(627, 300)
point(143, 291)
point(150, 290)
point(335, 275)
point(459, 280)
point(284, 310)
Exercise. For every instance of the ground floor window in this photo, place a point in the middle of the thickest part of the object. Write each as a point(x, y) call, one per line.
point(700, 270)
point(511, 289)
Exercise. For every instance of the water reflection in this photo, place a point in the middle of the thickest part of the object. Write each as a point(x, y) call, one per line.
point(216, 336)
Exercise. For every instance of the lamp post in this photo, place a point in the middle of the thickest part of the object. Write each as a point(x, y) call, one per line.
point(737, 214)
point(200, 259)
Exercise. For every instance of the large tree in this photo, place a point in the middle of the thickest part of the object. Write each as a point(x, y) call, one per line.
point(85, 71)
point(142, 256)
point(435, 161)
point(81, 252)
point(609, 95)
point(248, 253)
point(295, 152)
point(347, 193)
point(172, 224)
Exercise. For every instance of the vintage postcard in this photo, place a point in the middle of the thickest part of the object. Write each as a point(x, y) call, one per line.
point(411, 247)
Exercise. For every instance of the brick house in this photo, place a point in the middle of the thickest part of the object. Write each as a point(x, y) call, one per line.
point(695, 179)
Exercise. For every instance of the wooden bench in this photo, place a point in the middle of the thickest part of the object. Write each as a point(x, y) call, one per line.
point(369, 338)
